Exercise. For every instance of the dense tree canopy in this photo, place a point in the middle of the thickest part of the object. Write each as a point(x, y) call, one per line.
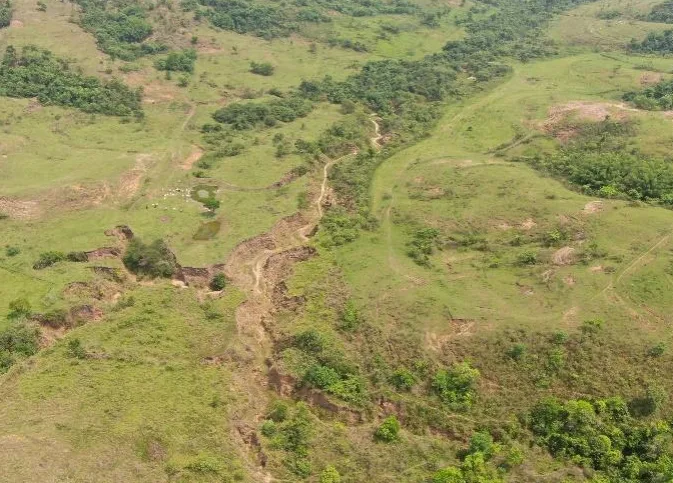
point(38, 73)
point(120, 30)
point(603, 434)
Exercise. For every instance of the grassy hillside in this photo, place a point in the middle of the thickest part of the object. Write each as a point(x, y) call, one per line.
point(423, 242)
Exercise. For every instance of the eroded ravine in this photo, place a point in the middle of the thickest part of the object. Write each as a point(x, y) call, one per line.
point(257, 267)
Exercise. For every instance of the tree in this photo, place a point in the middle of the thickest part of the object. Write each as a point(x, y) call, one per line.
point(388, 431)
point(262, 68)
point(218, 282)
point(153, 260)
point(180, 61)
point(330, 475)
point(450, 474)
point(455, 386)
point(75, 349)
point(403, 379)
point(211, 203)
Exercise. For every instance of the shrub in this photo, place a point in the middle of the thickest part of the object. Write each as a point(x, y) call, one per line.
point(526, 258)
point(330, 475)
point(47, 259)
point(450, 474)
point(6, 361)
point(218, 282)
point(75, 349)
point(268, 428)
point(658, 350)
point(19, 339)
point(153, 260)
point(559, 337)
point(119, 30)
point(592, 326)
point(517, 352)
point(388, 431)
point(12, 251)
point(403, 379)
point(279, 411)
point(19, 308)
point(455, 387)
point(350, 317)
point(262, 68)
point(482, 442)
point(211, 203)
point(182, 61)
point(422, 245)
point(310, 341)
point(322, 377)
point(55, 318)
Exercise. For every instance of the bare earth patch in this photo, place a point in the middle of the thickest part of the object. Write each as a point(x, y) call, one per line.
point(19, 209)
point(649, 78)
point(569, 280)
point(192, 158)
point(528, 224)
point(593, 207)
point(563, 256)
point(129, 183)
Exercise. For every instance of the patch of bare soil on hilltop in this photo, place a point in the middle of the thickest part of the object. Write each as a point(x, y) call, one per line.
point(563, 256)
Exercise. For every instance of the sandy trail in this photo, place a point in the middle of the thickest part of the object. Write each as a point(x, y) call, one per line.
point(377, 134)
